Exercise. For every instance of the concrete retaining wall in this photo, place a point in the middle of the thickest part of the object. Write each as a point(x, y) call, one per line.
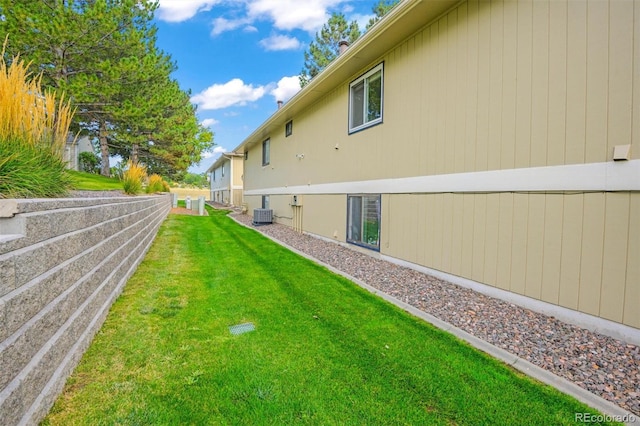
point(63, 262)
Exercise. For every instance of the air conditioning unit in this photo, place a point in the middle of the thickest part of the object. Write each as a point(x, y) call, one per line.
point(296, 200)
point(262, 216)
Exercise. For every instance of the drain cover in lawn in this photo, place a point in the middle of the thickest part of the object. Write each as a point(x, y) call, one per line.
point(242, 328)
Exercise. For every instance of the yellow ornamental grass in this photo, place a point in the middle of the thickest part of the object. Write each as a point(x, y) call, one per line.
point(29, 115)
point(133, 177)
point(156, 184)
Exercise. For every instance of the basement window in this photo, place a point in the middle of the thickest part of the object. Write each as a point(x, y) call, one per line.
point(363, 220)
point(365, 100)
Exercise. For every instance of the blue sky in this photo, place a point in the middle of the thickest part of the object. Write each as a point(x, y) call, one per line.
point(238, 57)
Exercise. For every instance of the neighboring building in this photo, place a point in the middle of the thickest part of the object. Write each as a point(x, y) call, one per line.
point(73, 149)
point(225, 178)
point(476, 140)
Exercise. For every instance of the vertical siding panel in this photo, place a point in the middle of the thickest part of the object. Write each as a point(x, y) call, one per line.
point(620, 74)
point(440, 148)
point(509, 85)
point(571, 244)
point(386, 233)
point(419, 124)
point(523, 88)
point(392, 88)
point(632, 291)
point(597, 80)
point(410, 202)
point(505, 238)
point(576, 82)
point(400, 219)
point(447, 230)
point(495, 85)
point(557, 83)
point(535, 245)
point(396, 95)
point(540, 84)
point(479, 235)
point(472, 87)
point(592, 247)
point(457, 234)
point(635, 149)
point(614, 262)
point(421, 230)
point(451, 84)
point(429, 224)
point(468, 209)
point(552, 258)
point(491, 239)
point(519, 242)
point(413, 82)
point(484, 75)
point(438, 219)
point(432, 135)
point(461, 89)
point(389, 234)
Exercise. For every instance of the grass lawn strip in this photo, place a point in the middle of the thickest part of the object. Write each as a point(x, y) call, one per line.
point(94, 182)
point(324, 351)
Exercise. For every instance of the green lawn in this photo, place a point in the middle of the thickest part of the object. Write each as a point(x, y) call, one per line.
point(94, 182)
point(324, 351)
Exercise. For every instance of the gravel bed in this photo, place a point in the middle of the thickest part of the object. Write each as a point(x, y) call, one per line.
point(604, 366)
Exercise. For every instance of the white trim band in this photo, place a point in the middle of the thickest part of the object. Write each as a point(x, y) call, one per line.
point(608, 176)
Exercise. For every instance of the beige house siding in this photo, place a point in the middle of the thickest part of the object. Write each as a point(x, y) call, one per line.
point(494, 158)
point(578, 251)
point(225, 179)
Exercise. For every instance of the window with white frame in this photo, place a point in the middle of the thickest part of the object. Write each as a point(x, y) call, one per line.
point(363, 220)
point(222, 171)
point(365, 100)
point(265, 153)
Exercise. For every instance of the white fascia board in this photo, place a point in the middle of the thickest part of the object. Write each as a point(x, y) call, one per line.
point(607, 176)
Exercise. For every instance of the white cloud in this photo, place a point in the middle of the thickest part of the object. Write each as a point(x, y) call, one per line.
point(308, 15)
point(233, 92)
point(221, 25)
point(216, 151)
point(280, 42)
point(208, 122)
point(181, 10)
point(286, 88)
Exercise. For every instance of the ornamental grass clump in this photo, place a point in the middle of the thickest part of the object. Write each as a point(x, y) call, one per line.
point(133, 177)
point(33, 132)
point(156, 184)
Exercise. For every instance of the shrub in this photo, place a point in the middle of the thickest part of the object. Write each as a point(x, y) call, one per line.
point(156, 184)
point(28, 171)
point(33, 133)
point(133, 177)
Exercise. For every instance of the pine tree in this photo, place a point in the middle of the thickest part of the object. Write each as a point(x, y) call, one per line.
point(325, 48)
point(380, 9)
point(103, 54)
